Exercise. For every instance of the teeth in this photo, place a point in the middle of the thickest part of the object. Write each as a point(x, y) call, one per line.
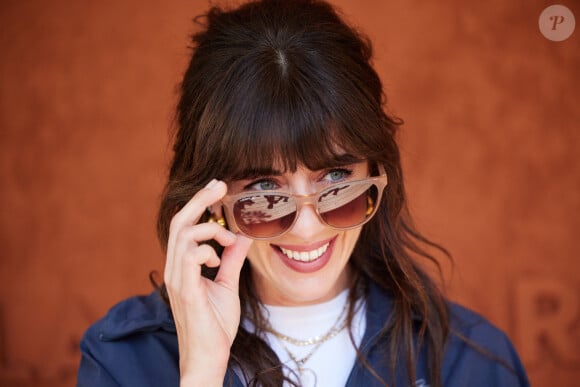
point(305, 256)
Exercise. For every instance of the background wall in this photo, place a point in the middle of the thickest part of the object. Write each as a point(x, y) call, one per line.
point(490, 146)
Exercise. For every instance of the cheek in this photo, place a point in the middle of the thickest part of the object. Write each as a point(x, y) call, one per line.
point(350, 239)
point(259, 252)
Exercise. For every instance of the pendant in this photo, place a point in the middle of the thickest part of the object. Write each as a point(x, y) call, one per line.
point(307, 377)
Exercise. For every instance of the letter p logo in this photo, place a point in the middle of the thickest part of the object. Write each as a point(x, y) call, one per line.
point(556, 20)
point(557, 23)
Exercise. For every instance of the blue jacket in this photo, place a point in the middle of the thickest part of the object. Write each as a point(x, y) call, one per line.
point(135, 344)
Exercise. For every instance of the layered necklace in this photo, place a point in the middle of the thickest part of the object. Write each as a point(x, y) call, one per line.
point(314, 342)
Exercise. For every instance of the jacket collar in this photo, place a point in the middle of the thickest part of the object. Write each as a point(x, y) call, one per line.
point(137, 314)
point(379, 311)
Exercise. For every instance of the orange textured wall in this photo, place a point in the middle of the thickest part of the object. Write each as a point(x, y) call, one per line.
point(490, 145)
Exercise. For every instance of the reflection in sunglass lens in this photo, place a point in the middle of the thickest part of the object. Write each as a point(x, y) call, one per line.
point(264, 215)
point(268, 215)
point(348, 205)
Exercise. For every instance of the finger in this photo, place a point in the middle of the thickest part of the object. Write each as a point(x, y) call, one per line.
point(202, 255)
point(190, 214)
point(183, 283)
point(189, 237)
point(192, 211)
point(231, 263)
point(205, 232)
point(188, 240)
point(213, 192)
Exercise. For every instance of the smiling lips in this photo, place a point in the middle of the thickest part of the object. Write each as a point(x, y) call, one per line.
point(306, 259)
point(305, 256)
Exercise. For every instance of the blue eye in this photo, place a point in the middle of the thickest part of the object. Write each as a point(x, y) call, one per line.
point(263, 185)
point(337, 175)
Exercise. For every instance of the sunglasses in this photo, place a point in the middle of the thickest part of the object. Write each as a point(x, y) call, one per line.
point(345, 205)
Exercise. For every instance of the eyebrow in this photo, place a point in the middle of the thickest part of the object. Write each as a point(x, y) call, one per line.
point(338, 161)
point(252, 173)
point(345, 159)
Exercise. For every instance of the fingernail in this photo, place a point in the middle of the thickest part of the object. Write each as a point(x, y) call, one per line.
point(211, 184)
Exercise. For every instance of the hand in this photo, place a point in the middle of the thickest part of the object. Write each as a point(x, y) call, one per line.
point(206, 312)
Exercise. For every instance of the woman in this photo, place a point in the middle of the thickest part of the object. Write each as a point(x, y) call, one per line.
point(284, 156)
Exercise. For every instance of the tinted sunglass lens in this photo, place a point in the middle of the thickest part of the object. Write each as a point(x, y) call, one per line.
point(348, 205)
point(264, 215)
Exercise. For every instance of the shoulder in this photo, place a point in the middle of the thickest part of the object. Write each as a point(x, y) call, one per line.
point(133, 344)
point(478, 353)
point(134, 315)
point(467, 326)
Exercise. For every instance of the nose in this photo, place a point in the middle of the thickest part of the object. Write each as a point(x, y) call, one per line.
point(308, 224)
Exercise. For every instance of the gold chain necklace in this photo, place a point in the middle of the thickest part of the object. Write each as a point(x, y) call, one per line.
point(317, 341)
point(334, 330)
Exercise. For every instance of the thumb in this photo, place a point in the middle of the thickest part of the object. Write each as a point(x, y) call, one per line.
point(232, 260)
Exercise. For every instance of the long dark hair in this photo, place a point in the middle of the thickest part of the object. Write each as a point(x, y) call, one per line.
point(290, 83)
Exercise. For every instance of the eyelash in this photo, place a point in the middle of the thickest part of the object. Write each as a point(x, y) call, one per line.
point(345, 171)
point(251, 186)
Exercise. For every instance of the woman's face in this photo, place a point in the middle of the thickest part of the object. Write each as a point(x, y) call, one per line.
point(280, 272)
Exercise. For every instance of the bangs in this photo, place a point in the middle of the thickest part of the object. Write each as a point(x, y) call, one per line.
point(285, 112)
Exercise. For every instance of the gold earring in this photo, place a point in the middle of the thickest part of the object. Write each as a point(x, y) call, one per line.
point(221, 221)
point(370, 206)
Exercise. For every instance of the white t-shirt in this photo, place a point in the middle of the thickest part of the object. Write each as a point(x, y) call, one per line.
point(330, 364)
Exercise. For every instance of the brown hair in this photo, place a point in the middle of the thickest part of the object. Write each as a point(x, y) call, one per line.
point(277, 81)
